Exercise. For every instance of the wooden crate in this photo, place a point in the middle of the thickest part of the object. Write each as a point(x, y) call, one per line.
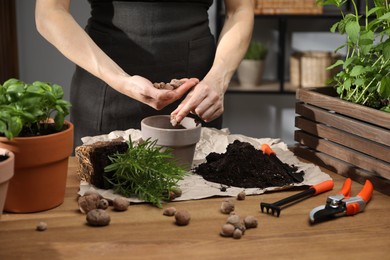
point(287, 7)
point(347, 138)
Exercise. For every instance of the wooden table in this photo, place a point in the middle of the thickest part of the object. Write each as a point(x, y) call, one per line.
point(143, 232)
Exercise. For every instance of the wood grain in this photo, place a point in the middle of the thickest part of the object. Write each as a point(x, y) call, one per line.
point(343, 168)
point(368, 163)
point(344, 138)
point(143, 232)
point(347, 124)
point(325, 98)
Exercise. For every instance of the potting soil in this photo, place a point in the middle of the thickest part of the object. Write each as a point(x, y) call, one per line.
point(243, 166)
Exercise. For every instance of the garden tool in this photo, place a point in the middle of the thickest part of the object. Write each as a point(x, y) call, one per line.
point(275, 160)
point(342, 204)
point(313, 190)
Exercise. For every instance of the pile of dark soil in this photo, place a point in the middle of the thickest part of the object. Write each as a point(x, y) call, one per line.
point(243, 166)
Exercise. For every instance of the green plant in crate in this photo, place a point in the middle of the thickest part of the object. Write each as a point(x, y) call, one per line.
point(365, 75)
point(27, 108)
point(256, 51)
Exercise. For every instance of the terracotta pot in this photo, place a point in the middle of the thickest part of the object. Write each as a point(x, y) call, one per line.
point(250, 72)
point(41, 165)
point(181, 139)
point(6, 173)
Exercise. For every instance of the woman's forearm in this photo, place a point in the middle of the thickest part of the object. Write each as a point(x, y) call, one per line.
point(233, 41)
point(55, 23)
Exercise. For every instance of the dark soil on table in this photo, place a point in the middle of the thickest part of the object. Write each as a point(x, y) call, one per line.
point(243, 166)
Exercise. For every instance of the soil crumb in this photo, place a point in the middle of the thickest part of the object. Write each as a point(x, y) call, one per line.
point(243, 166)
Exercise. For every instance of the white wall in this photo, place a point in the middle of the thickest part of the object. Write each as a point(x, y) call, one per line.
point(256, 115)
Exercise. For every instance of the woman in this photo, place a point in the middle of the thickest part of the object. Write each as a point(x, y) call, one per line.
point(129, 45)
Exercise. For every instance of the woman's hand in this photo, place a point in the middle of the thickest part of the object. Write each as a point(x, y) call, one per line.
point(142, 89)
point(204, 100)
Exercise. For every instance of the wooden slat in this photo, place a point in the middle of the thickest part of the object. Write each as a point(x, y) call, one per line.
point(341, 167)
point(347, 124)
point(315, 97)
point(377, 167)
point(344, 138)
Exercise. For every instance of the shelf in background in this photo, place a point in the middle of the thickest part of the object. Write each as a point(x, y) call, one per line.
point(271, 87)
point(324, 15)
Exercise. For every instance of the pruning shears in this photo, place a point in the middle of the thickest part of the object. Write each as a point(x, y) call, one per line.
point(342, 204)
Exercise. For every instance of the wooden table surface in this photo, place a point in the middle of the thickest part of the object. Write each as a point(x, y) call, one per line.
point(143, 232)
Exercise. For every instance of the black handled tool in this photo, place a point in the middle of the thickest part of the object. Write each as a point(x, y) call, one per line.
point(313, 190)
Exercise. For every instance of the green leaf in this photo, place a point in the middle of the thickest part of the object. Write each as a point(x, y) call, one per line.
point(385, 17)
point(15, 126)
point(59, 121)
point(15, 88)
point(337, 63)
point(358, 82)
point(373, 10)
point(357, 70)
point(11, 82)
point(334, 27)
point(366, 41)
point(347, 84)
point(386, 109)
point(3, 128)
point(386, 49)
point(58, 92)
point(384, 88)
point(353, 28)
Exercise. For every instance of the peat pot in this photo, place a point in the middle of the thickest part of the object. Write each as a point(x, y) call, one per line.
point(41, 166)
point(7, 160)
point(181, 139)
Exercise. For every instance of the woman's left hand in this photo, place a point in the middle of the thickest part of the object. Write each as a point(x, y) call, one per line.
point(204, 100)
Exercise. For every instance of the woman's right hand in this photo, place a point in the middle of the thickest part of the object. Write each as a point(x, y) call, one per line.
point(142, 89)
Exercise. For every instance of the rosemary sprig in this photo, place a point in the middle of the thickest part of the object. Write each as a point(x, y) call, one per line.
point(145, 170)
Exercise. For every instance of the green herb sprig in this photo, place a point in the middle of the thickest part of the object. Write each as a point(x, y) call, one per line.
point(23, 105)
point(145, 170)
point(365, 75)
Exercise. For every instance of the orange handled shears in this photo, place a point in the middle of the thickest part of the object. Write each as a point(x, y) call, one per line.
point(342, 204)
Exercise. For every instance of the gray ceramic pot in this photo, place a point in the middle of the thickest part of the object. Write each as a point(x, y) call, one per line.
point(181, 139)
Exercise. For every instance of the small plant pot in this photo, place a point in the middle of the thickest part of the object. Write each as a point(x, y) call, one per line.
point(181, 139)
point(250, 72)
point(41, 166)
point(7, 162)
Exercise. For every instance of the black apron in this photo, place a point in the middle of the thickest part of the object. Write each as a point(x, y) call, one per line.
point(159, 40)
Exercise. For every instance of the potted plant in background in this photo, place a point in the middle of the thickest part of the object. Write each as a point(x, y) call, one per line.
point(33, 127)
point(346, 127)
point(250, 70)
point(7, 160)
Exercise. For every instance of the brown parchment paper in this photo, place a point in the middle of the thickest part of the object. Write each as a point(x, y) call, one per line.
point(212, 140)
